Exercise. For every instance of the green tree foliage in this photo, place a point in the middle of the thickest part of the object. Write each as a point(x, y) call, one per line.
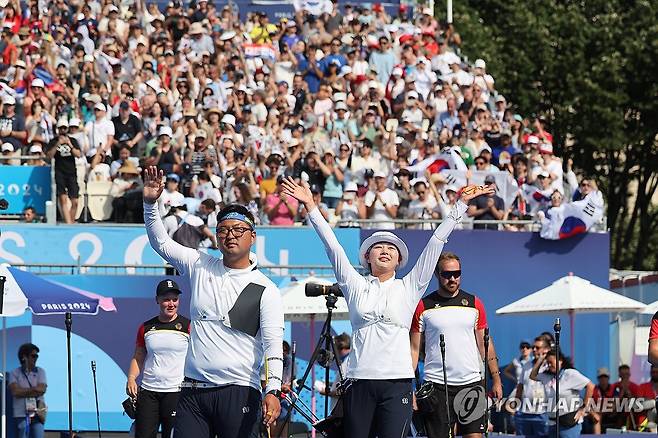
point(589, 66)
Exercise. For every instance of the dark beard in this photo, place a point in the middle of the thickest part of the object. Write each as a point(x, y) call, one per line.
point(654, 379)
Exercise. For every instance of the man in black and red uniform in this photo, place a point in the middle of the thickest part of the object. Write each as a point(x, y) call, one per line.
point(653, 344)
point(160, 352)
point(653, 340)
point(461, 318)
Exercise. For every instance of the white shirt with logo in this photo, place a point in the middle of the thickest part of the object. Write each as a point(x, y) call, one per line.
point(218, 353)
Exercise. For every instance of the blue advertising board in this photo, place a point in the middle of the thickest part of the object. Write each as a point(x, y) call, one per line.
point(25, 186)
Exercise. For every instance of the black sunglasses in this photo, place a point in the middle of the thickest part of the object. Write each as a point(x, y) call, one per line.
point(450, 274)
point(34, 356)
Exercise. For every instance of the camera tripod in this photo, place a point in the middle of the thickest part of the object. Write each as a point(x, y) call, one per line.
point(324, 354)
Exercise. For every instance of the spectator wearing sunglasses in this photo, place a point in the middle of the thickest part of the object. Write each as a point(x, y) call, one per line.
point(489, 207)
point(461, 317)
point(531, 419)
point(514, 369)
point(27, 385)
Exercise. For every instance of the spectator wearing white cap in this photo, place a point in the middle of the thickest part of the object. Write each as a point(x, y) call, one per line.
point(290, 37)
point(552, 165)
point(113, 24)
point(341, 124)
point(79, 135)
point(483, 79)
point(395, 85)
point(36, 152)
point(100, 130)
point(37, 91)
point(425, 77)
point(350, 206)
point(170, 195)
point(8, 152)
point(501, 107)
point(412, 112)
point(12, 125)
point(228, 127)
point(165, 155)
point(381, 203)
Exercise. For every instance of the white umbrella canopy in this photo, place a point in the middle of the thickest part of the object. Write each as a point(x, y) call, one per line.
point(298, 307)
point(15, 301)
point(650, 309)
point(571, 294)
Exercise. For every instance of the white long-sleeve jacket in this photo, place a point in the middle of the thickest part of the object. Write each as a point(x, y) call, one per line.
point(219, 353)
point(381, 312)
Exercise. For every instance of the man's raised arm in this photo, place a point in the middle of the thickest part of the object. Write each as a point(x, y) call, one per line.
point(181, 257)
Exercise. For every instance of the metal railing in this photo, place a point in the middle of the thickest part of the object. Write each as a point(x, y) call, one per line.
point(529, 225)
point(292, 271)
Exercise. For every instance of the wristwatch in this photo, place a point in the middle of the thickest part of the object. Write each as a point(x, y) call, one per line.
point(275, 392)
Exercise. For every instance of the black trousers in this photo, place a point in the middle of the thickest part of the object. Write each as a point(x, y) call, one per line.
point(380, 408)
point(155, 409)
point(128, 208)
point(227, 412)
point(467, 405)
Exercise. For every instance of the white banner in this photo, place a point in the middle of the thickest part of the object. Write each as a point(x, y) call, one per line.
point(506, 186)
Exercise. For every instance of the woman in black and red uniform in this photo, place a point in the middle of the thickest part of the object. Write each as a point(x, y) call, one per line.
point(160, 357)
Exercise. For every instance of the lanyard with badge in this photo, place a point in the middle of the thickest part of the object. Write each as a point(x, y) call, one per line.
point(30, 402)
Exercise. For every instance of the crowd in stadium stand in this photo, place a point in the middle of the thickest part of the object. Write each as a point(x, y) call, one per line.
point(379, 114)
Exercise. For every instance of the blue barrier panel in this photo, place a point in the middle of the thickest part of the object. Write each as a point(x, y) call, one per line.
point(25, 186)
point(112, 245)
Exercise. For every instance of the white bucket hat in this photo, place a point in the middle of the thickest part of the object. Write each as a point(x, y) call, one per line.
point(384, 236)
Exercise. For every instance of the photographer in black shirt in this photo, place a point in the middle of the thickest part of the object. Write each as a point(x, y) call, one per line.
point(65, 150)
